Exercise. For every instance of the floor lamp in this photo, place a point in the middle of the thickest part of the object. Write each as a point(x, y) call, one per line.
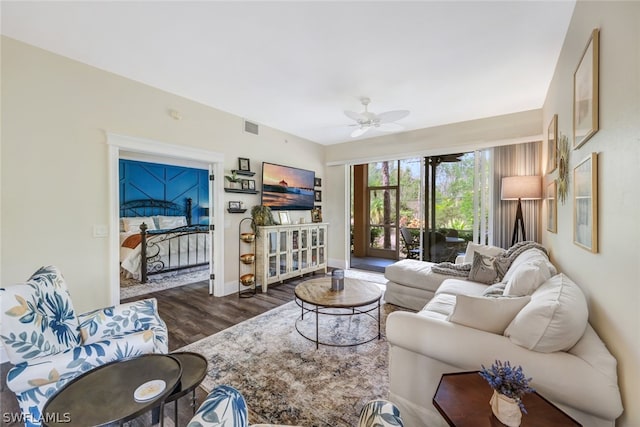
point(520, 188)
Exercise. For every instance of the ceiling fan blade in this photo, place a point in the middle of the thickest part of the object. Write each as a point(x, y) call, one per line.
point(390, 127)
point(355, 116)
point(392, 116)
point(360, 131)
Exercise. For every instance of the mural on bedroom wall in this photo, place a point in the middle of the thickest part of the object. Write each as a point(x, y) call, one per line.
point(143, 180)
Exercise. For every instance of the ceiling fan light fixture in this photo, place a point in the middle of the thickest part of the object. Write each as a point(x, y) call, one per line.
point(367, 120)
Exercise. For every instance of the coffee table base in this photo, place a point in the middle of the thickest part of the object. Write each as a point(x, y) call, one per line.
point(318, 310)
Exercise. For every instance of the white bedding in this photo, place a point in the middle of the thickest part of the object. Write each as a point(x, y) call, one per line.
point(172, 253)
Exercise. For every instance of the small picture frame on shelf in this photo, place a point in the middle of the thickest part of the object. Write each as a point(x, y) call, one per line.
point(284, 218)
point(245, 184)
point(251, 184)
point(243, 164)
point(317, 182)
point(235, 205)
point(317, 195)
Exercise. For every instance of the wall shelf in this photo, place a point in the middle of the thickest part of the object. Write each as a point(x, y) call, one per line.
point(237, 190)
point(243, 173)
point(236, 210)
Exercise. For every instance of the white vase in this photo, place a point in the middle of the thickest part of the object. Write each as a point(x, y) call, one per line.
point(505, 409)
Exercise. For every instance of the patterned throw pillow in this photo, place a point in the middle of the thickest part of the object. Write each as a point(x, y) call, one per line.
point(483, 269)
point(38, 317)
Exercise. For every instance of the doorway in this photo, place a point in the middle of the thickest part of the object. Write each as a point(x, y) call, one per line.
point(120, 145)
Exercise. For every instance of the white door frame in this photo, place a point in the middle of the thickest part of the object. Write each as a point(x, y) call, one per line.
point(215, 163)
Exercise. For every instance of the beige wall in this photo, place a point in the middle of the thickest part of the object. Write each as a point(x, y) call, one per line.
point(55, 161)
point(610, 278)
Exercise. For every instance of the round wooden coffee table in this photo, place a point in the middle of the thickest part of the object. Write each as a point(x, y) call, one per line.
point(105, 395)
point(357, 298)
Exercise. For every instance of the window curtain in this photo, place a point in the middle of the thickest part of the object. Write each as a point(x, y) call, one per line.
point(515, 160)
point(483, 197)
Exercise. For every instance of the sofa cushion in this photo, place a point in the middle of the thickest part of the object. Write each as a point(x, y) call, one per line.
point(554, 319)
point(461, 286)
point(527, 278)
point(531, 255)
point(414, 274)
point(442, 304)
point(487, 314)
point(483, 269)
point(472, 248)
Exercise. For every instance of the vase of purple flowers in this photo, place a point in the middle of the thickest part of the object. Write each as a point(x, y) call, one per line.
point(509, 384)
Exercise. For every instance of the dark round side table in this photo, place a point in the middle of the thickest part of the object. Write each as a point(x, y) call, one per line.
point(194, 369)
point(105, 395)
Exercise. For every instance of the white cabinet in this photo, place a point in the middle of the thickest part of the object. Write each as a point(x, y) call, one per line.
point(285, 251)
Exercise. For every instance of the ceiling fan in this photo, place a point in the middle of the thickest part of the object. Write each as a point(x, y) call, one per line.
point(383, 121)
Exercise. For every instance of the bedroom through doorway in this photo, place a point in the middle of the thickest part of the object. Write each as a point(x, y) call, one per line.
point(172, 201)
point(169, 190)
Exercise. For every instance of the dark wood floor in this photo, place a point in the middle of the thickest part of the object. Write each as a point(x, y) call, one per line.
point(190, 314)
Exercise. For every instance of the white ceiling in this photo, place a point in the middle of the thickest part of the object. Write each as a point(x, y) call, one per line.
point(296, 66)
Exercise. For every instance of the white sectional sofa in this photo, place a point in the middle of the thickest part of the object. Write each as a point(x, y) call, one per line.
point(533, 317)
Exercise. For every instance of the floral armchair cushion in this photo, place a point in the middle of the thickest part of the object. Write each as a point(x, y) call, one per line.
point(38, 317)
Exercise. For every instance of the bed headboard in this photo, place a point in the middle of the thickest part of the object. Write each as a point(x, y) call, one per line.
point(151, 207)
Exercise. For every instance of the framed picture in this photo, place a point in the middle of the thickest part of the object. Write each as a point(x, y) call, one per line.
point(585, 92)
point(316, 215)
point(243, 164)
point(251, 184)
point(235, 205)
point(284, 217)
point(552, 144)
point(585, 203)
point(245, 184)
point(317, 182)
point(317, 195)
point(552, 206)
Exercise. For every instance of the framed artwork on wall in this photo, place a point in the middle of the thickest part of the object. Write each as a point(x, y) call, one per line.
point(585, 203)
point(552, 206)
point(243, 164)
point(585, 92)
point(317, 195)
point(552, 144)
point(317, 182)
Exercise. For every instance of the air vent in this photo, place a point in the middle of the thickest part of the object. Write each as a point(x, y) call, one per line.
point(251, 127)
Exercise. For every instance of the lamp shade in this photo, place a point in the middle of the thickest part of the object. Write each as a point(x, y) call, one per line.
point(521, 187)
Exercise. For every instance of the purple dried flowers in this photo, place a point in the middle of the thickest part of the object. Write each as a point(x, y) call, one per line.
point(508, 381)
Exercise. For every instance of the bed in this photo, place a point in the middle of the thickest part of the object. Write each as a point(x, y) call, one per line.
point(157, 236)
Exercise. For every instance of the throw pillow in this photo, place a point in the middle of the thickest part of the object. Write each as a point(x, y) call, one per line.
point(527, 278)
point(472, 248)
point(554, 320)
point(483, 269)
point(487, 314)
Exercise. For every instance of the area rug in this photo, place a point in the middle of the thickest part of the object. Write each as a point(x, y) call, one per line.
point(285, 380)
point(159, 282)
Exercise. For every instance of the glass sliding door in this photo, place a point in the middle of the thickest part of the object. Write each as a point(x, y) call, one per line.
point(383, 209)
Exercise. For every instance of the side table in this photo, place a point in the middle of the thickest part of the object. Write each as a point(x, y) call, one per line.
point(105, 395)
point(194, 369)
point(462, 398)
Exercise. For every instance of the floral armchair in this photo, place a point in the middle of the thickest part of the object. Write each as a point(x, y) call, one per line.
point(225, 406)
point(49, 344)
